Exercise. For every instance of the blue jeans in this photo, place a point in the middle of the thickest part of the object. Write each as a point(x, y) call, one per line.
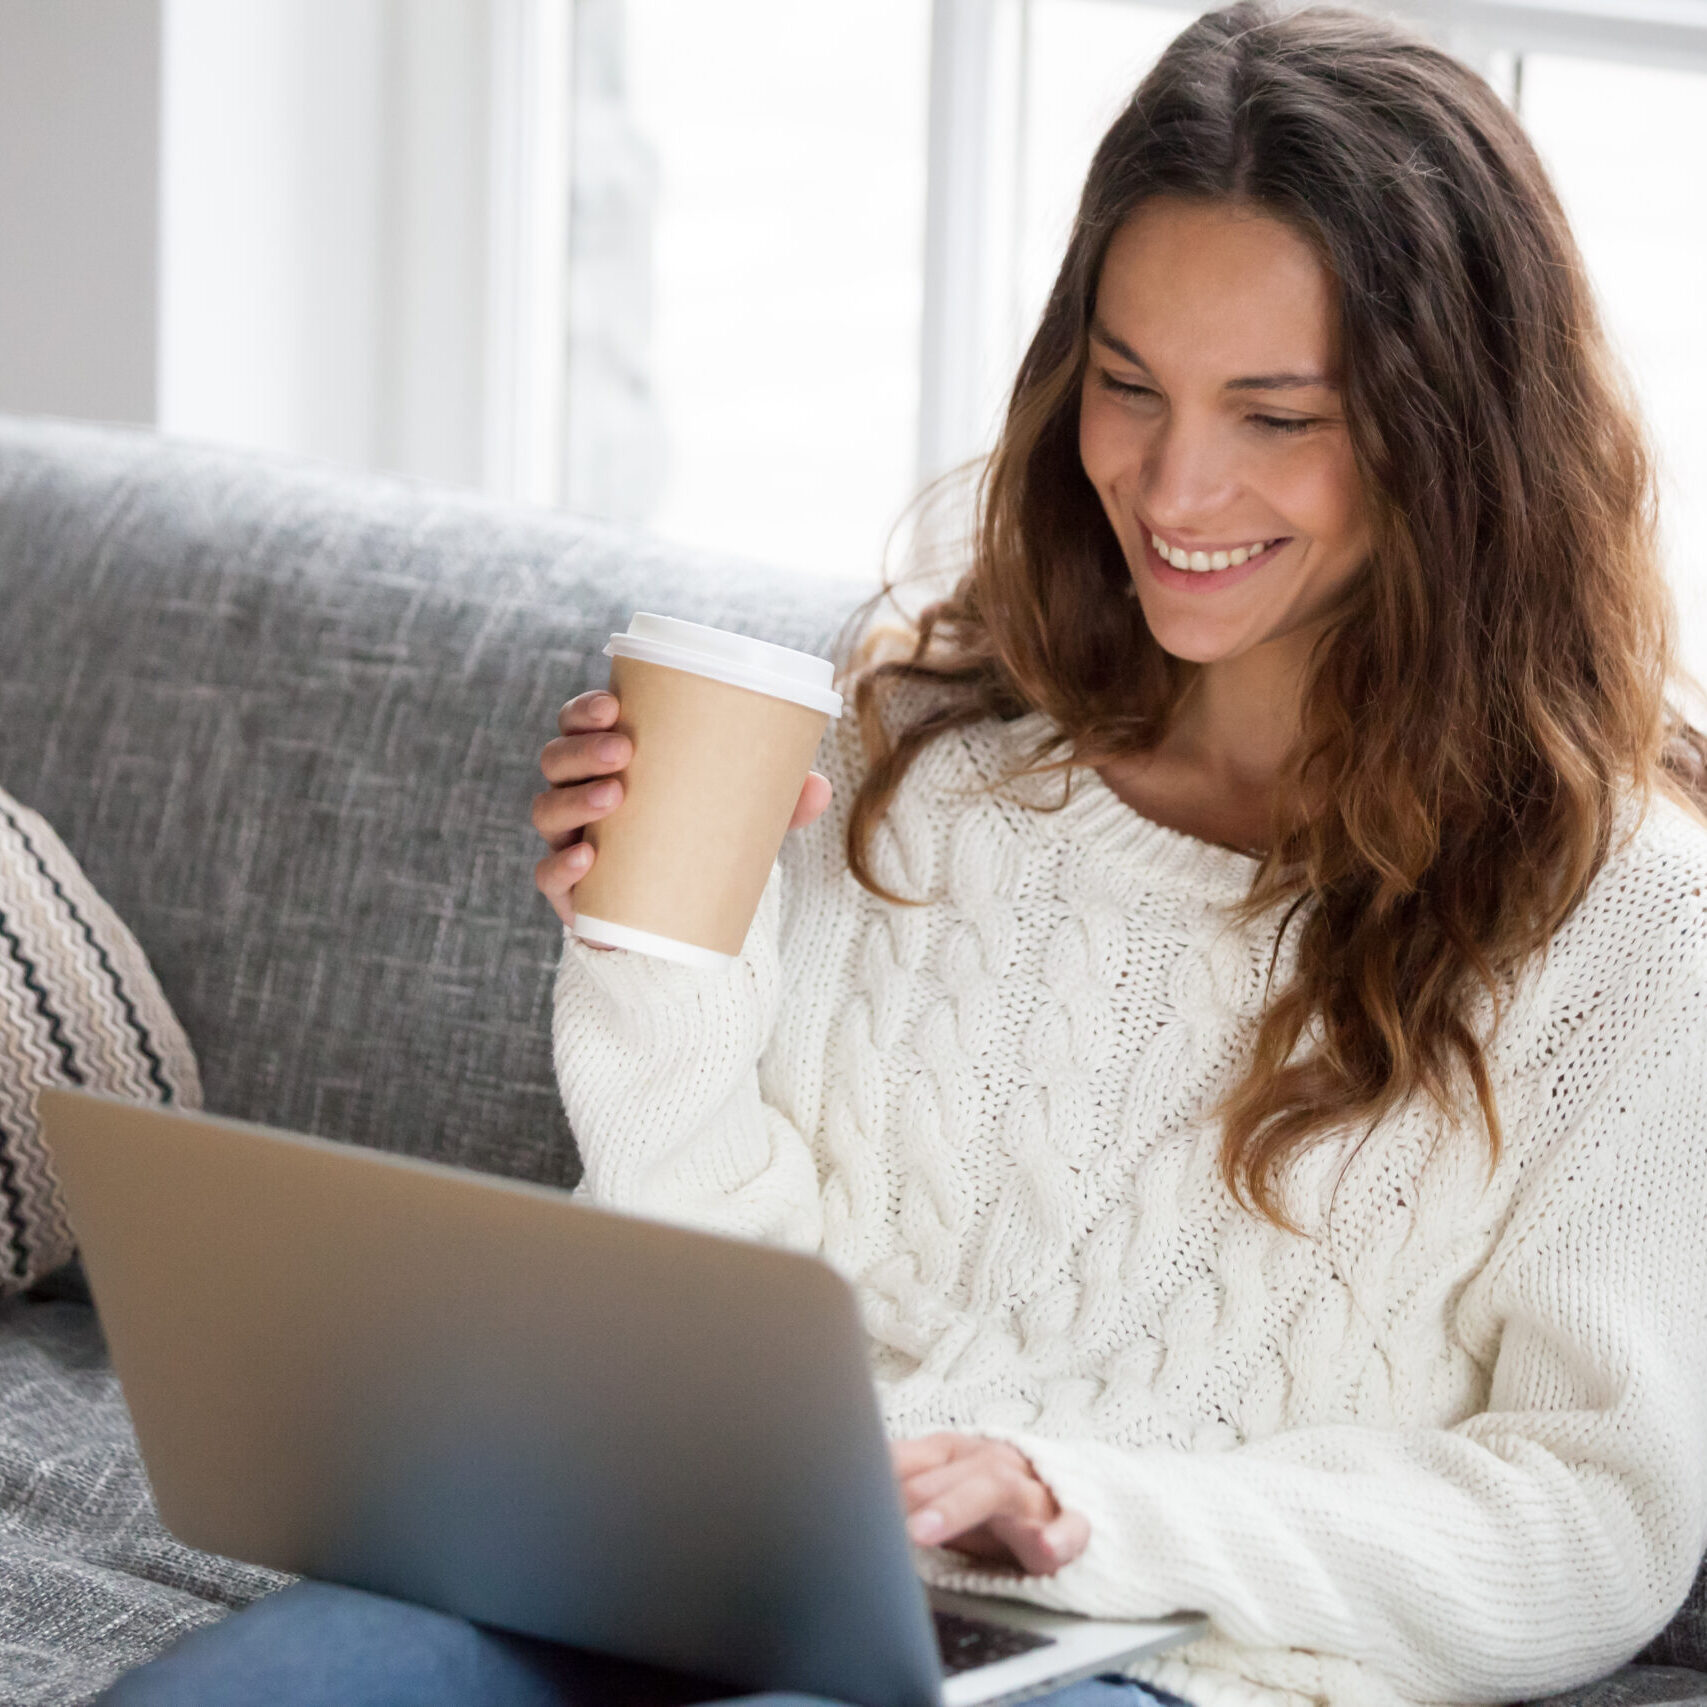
point(317, 1645)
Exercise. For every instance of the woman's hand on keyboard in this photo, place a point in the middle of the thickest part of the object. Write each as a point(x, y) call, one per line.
point(983, 1498)
point(582, 765)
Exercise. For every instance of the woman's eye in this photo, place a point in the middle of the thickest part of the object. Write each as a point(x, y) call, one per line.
point(1122, 387)
point(1284, 425)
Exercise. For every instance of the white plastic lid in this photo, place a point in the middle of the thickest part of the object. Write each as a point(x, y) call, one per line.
point(734, 658)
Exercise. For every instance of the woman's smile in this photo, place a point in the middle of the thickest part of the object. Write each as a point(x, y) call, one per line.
point(1208, 568)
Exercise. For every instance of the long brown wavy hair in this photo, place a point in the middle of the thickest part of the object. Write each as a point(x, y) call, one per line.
point(1497, 679)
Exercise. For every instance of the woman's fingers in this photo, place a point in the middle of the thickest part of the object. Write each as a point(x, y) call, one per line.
point(982, 1497)
point(574, 758)
point(587, 745)
point(1068, 1536)
point(1039, 1549)
point(577, 765)
point(978, 1521)
point(979, 1480)
point(557, 874)
point(970, 1500)
point(595, 709)
point(561, 813)
point(909, 1457)
point(814, 797)
point(971, 1491)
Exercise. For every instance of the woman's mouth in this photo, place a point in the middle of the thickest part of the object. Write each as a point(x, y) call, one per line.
point(1200, 562)
point(1201, 571)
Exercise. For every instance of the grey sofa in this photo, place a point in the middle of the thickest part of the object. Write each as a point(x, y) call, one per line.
point(288, 720)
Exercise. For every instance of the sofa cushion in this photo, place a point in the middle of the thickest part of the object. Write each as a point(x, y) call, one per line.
point(78, 1006)
point(1683, 1642)
point(1636, 1686)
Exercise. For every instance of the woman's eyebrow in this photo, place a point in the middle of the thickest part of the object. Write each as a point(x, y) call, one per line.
point(1282, 382)
point(1253, 382)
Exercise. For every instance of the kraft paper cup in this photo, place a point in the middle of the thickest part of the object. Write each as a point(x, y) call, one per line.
point(724, 730)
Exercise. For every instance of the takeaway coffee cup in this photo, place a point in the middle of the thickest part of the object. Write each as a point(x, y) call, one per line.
point(724, 731)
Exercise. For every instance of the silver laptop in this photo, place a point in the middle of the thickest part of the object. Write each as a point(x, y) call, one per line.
point(486, 1397)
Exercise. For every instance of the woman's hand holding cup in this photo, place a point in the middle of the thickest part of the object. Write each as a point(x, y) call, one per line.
point(582, 766)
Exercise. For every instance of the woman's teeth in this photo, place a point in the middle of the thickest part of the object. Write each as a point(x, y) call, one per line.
point(1206, 560)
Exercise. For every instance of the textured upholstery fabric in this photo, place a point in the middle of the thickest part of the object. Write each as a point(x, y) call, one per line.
point(1683, 1642)
point(90, 1583)
point(287, 720)
point(1637, 1686)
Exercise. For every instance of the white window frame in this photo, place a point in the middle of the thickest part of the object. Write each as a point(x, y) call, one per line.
point(1670, 33)
point(531, 72)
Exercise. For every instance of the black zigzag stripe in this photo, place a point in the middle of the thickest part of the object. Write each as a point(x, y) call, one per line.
point(55, 1029)
point(13, 1216)
point(155, 1066)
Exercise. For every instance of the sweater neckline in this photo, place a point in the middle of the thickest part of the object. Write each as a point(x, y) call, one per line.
point(1094, 816)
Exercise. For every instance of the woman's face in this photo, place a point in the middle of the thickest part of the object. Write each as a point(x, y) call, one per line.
point(1211, 428)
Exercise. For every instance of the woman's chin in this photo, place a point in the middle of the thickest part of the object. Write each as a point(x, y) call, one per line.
point(1197, 641)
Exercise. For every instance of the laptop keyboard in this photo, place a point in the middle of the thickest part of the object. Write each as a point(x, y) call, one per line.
point(967, 1643)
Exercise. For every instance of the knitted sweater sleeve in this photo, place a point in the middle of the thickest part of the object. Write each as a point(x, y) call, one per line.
point(1532, 1547)
point(658, 1066)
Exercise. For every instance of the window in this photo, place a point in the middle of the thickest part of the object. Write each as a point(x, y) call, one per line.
point(857, 211)
point(1629, 156)
point(787, 161)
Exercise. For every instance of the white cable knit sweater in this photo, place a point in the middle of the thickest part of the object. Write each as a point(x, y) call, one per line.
point(1448, 1445)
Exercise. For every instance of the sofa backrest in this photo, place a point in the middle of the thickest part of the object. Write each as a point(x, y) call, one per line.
point(288, 719)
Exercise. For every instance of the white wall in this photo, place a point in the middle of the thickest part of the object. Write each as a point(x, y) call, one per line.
point(324, 206)
point(271, 200)
point(261, 222)
point(79, 227)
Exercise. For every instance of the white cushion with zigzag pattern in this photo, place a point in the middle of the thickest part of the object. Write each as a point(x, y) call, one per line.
point(79, 1005)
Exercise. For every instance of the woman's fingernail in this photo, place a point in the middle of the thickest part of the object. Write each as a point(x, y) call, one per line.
point(603, 794)
point(600, 704)
point(580, 855)
point(1057, 1537)
point(926, 1527)
point(610, 747)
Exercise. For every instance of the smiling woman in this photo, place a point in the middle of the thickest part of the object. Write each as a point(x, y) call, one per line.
point(1320, 310)
point(1241, 1026)
point(1337, 316)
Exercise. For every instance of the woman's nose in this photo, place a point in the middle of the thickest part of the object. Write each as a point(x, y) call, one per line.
point(1190, 476)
